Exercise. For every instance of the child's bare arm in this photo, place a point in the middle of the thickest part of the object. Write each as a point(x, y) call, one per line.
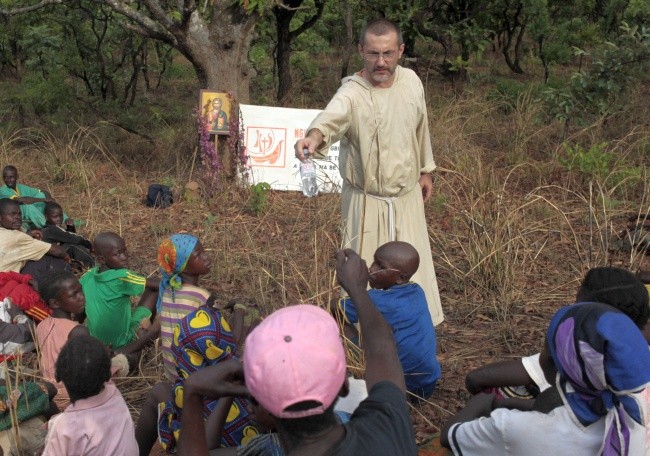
point(477, 406)
point(502, 373)
point(152, 333)
point(152, 284)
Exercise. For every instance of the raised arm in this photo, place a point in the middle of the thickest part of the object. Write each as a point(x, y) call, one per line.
point(220, 380)
point(380, 351)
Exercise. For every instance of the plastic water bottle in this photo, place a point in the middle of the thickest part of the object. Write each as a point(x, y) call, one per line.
point(308, 176)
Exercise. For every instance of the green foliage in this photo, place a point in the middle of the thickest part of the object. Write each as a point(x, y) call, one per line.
point(601, 89)
point(257, 200)
point(605, 166)
point(506, 92)
point(255, 6)
point(595, 162)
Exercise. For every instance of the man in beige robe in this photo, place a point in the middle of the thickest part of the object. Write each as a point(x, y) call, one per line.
point(380, 116)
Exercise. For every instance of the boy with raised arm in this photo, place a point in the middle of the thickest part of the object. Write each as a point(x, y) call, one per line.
point(294, 367)
point(404, 306)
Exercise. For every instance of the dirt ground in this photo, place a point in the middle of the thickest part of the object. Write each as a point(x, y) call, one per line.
point(284, 255)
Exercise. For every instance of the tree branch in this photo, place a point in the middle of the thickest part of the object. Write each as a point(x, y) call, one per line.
point(28, 9)
point(153, 28)
point(320, 4)
point(158, 13)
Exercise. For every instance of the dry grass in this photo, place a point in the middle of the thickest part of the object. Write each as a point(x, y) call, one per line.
point(512, 233)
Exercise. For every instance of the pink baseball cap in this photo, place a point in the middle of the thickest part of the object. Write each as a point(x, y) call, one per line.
point(295, 355)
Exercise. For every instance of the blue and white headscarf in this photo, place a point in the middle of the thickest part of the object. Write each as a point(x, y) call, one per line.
point(602, 358)
point(173, 254)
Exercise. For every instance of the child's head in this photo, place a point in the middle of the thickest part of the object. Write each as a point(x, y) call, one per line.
point(601, 358)
point(394, 264)
point(62, 291)
point(110, 250)
point(83, 366)
point(10, 176)
point(182, 258)
point(617, 288)
point(53, 213)
point(182, 254)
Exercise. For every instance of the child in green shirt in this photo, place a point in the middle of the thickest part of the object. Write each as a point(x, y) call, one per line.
point(108, 289)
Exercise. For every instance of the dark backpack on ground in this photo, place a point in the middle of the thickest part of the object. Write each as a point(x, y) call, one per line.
point(159, 196)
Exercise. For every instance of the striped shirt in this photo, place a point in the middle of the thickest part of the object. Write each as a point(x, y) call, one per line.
point(186, 300)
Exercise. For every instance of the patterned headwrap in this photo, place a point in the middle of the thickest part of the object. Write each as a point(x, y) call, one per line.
point(173, 254)
point(602, 359)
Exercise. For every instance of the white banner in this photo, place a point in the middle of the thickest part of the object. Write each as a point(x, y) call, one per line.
point(270, 134)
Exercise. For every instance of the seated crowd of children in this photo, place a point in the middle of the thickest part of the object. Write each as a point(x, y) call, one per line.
point(234, 383)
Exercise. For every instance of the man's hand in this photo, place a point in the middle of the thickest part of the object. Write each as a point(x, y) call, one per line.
point(310, 142)
point(351, 270)
point(426, 184)
point(219, 380)
point(36, 234)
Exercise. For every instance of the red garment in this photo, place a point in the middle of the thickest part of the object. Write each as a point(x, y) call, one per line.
point(16, 286)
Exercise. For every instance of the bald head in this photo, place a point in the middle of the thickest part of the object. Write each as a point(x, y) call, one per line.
point(400, 255)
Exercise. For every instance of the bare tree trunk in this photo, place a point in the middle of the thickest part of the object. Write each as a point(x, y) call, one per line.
point(349, 38)
point(219, 53)
point(283, 18)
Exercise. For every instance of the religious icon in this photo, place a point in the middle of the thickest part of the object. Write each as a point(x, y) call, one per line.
point(216, 107)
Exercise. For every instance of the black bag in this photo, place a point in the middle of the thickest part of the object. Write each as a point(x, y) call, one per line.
point(159, 196)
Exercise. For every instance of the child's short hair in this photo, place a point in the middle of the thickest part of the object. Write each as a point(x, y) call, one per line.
point(50, 206)
point(618, 288)
point(51, 286)
point(83, 366)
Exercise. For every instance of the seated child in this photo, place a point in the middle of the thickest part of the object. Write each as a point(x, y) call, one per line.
point(19, 252)
point(596, 358)
point(403, 305)
point(76, 246)
point(612, 286)
point(98, 422)
point(30, 405)
point(182, 261)
point(32, 200)
point(108, 289)
point(62, 292)
point(203, 338)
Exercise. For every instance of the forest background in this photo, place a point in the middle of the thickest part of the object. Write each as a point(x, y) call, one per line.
point(538, 117)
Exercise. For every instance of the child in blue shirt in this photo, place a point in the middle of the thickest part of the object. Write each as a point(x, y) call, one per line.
point(404, 306)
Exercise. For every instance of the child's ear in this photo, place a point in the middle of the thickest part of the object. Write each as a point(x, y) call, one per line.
point(401, 280)
point(53, 303)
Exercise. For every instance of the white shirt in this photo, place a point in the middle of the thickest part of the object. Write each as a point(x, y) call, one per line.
point(516, 433)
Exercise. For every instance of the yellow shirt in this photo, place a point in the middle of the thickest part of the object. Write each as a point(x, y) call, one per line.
point(16, 248)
